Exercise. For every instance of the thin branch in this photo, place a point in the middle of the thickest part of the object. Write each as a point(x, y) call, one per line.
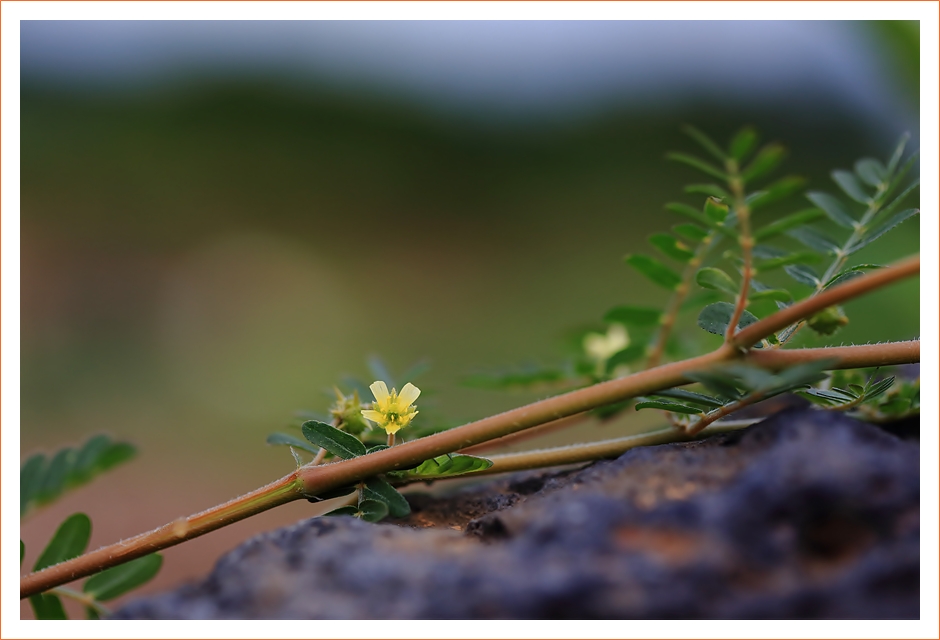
point(522, 436)
point(713, 416)
point(848, 357)
point(675, 302)
point(84, 599)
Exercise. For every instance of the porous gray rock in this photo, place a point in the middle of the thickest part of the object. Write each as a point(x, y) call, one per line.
point(807, 515)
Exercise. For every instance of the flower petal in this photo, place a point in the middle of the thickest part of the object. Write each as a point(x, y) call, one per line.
point(374, 416)
point(409, 393)
point(379, 390)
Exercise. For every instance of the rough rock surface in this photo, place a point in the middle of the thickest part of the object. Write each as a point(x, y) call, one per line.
point(807, 515)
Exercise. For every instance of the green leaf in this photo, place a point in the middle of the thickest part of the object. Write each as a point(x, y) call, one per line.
point(788, 222)
point(832, 208)
point(815, 240)
point(717, 382)
point(855, 271)
point(849, 184)
point(114, 455)
point(634, 316)
point(784, 260)
point(92, 614)
point(285, 439)
point(31, 475)
point(715, 318)
point(828, 396)
point(372, 510)
point(348, 510)
point(800, 375)
point(117, 581)
point(715, 210)
point(707, 189)
point(743, 143)
point(625, 356)
point(675, 407)
point(53, 482)
point(378, 447)
point(897, 201)
point(713, 278)
point(690, 397)
point(452, 464)
point(775, 192)
point(654, 270)
point(690, 212)
point(766, 160)
point(707, 143)
point(777, 295)
point(339, 443)
point(802, 273)
point(671, 247)
point(878, 388)
point(69, 541)
point(701, 165)
point(690, 231)
point(22, 551)
point(523, 379)
point(871, 171)
point(898, 153)
point(845, 276)
point(47, 606)
point(884, 228)
point(379, 489)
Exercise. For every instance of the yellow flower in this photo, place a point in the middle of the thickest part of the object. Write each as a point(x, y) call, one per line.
point(392, 411)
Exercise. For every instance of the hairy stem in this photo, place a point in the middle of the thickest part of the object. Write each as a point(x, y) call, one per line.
point(721, 412)
point(675, 302)
point(743, 214)
point(805, 308)
point(310, 481)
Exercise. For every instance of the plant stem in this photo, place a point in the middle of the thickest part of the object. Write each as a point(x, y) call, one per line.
point(743, 213)
point(675, 302)
point(391, 440)
point(612, 448)
point(313, 480)
point(721, 412)
point(548, 427)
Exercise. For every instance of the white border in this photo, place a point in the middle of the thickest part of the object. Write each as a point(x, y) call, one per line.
point(13, 12)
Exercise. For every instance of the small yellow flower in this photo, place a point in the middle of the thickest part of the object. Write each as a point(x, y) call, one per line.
point(392, 411)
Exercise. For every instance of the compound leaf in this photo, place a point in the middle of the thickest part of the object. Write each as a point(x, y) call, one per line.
point(882, 229)
point(701, 165)
point(788, 222)
point(764, 162)
point(803, 274)
point(871, 171)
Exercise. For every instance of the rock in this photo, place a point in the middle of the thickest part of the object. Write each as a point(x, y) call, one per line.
point(807, 515)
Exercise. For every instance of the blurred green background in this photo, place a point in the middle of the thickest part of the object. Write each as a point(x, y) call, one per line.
point(206, 252)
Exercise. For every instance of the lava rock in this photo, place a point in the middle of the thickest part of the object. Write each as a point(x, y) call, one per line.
point(809, 514)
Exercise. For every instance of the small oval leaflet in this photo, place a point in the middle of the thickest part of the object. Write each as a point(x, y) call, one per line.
point(339, 443)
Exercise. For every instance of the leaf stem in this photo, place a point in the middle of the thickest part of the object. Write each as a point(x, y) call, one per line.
point(84, 599)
